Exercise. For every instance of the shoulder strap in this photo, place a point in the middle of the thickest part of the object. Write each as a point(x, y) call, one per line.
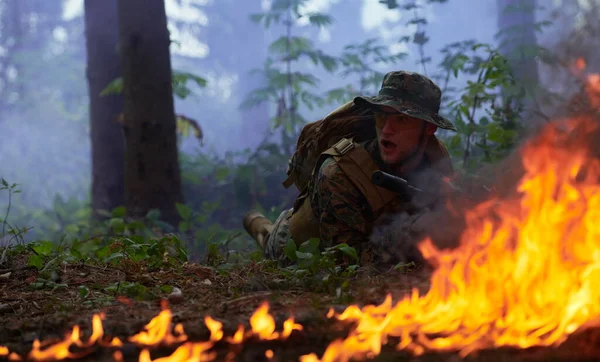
point(358, 165)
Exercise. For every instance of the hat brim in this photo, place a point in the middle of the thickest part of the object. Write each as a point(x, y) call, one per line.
point(405, 107)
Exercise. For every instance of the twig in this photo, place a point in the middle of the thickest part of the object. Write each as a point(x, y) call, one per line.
point(103, 268)
point(248, 297)
point(7, 211)
point(3, 271)
point(3, 257)
point(472, 117)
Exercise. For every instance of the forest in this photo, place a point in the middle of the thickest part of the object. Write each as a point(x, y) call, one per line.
point(136, 135)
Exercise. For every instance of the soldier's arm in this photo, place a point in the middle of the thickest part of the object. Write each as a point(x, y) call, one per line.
point(340, 207)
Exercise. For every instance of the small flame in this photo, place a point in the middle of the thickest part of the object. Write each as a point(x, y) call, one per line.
point(118, 356)
point(238, 337)
point(288, 326)
point(591, 82)
point(592, 88)
point(215, 328)
point(56, 351)
point(187, 352)
point(263, 324)
point(14, 357)
point(269, 354)
point(580, 64)
point(158, 330)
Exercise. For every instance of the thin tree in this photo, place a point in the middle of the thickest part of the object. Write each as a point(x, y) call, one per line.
point(103, 65)
point(152, 174)
point(517, 27)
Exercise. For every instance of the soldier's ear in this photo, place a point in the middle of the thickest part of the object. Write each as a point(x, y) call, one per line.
point(430, 129)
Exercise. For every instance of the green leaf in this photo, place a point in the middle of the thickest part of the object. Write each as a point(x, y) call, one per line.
point(301, 255)
point(184, 211)
point(83, 291)
point(153, 214)
point(221, 173)
point(184, 226)
point(320, 20)
point(166, 288)
point(75, 253)
point(36, 261)
point(116, 257)
point(118, 212)
point(115, 87)
point(349, 251)
point(290, 250)
point(116, 224)
point(310, 246)
point(43, 248)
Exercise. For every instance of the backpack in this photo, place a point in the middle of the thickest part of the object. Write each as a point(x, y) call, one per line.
point(348, 121)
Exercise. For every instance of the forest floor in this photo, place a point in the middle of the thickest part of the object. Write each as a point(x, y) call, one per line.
point(30, 311)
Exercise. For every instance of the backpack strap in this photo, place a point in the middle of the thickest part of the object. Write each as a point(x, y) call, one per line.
point(358, 165)
point(289, 181)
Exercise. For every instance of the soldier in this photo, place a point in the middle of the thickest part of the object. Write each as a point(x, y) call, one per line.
point(340, 204)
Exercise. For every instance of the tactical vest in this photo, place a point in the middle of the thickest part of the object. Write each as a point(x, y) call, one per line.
point(358, 165)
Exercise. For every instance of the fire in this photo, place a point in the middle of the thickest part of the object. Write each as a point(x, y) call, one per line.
point(157, 332)
point(525, 273)
point(591, 82)
point(263, 324)
point(187, 352)
point(215, 328)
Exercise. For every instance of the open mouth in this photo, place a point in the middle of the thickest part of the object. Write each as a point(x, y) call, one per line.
point(387, 146)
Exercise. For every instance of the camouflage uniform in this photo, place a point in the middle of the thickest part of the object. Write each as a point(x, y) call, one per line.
point(343, 212)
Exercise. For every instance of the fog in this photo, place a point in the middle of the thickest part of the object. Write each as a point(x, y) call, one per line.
point(44, 130)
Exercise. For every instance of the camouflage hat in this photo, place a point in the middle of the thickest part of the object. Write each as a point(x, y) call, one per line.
point(409, 93)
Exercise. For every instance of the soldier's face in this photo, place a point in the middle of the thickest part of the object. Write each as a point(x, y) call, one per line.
point(399, 135)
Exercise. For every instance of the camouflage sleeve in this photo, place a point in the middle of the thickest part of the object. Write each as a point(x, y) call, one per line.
point(340, 207)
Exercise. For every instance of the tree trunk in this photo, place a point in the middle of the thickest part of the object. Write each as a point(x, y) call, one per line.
point(103, 66)
point(516, 18)
point(152, 178)
point(255, 121)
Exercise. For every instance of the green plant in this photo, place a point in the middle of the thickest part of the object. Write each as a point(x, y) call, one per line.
point(16, 233)
point(308, 258)
point(487, 122)
point(288, 89)
point(360, 60)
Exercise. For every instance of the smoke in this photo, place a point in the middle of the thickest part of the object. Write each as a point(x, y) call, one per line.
point(397, 237)
point(45, 154)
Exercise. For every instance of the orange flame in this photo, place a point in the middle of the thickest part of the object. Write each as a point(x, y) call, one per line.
point(592, 87)
point(525, 273)
point(158, 330)
point(269, 354)
point(215, 328)
point(187, 352)
point(238, 336)
point(263, 324)
point(591, 82)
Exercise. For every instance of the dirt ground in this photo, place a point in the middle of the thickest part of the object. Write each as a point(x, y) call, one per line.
point(231, 298)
